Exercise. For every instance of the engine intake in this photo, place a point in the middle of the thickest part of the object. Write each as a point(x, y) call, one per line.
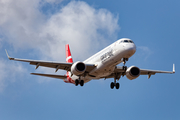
point(132, 72)
point(78, 68)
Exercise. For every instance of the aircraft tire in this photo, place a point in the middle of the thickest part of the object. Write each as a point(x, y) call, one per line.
point(112, 85)
point(76, 82)
point(82, 82)
point(117, 85)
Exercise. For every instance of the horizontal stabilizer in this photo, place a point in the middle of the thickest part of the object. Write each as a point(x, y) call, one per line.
point(50, 75)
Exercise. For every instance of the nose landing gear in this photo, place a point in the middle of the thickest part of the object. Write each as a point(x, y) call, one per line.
point(124, 62)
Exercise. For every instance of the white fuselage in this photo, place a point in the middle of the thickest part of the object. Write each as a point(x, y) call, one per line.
point(108, 58)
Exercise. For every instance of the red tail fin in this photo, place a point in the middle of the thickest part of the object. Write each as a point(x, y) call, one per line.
point(68, 60)
point(68, 55)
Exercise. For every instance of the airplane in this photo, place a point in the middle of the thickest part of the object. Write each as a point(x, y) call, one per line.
point(101, 65)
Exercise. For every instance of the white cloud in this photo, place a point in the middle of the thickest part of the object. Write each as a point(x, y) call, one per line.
point(144, 52)
point(53, 1)
point(10, 71)
point(24, 26)
point(77, 23)
point(20, 21)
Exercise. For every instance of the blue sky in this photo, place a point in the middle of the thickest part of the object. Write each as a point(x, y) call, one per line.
point(39, 29)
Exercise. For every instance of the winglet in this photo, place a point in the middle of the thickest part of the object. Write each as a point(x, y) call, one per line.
point(8, 55)
point(173, 68)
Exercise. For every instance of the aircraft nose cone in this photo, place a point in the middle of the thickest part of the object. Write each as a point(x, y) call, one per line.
point(131, 49)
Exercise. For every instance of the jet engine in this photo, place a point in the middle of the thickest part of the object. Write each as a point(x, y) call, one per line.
point(132, 72)
point(78, 68)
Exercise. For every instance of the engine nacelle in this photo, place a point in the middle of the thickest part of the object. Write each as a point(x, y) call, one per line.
point(132, 72)
point(78, 68)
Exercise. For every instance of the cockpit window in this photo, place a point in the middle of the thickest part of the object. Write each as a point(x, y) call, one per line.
point(126, 41)
point(130, 41)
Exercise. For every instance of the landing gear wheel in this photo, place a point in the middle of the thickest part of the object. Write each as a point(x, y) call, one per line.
point(76, 82)
point(82, 82)
point(112, 85)
point(117, 85)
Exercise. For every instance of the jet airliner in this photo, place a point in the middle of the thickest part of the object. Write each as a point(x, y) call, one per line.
point(101, 65)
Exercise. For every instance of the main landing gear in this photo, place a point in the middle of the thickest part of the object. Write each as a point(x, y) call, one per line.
point(78, 81)
point(115, 84)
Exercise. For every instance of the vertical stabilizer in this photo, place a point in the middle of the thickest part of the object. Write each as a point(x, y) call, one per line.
point(68, 55)
point(68, 60)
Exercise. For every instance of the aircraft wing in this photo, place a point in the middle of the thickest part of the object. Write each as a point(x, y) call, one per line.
point(153, 72)
point(50, 75)
point(119, 70)
point(51, 64)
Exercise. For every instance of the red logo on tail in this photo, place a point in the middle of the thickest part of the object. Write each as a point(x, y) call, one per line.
point(68, 55)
